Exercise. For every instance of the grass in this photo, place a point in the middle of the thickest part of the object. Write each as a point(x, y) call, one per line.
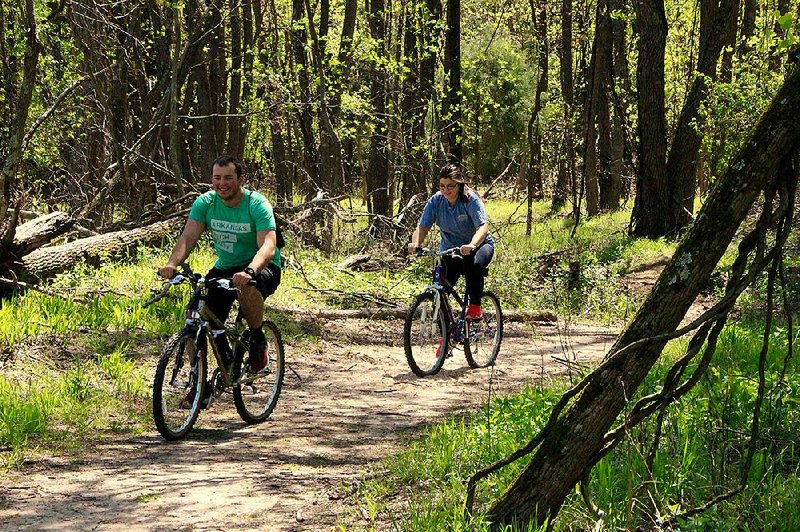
point(700, 456)
point(95, 394)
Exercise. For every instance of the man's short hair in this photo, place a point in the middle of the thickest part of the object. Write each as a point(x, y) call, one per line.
point(225, 160)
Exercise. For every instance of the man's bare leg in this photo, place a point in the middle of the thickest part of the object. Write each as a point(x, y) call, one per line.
point(252, 306)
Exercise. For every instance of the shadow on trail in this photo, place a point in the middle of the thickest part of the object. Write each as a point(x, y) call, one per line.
point(344, 406)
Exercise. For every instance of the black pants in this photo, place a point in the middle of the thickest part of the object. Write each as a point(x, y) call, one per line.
point(220, 301)
point(474, 267)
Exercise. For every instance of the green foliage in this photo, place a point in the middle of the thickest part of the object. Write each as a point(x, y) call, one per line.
point(103, 392)
point(701, 454)
point(495, 103)
point(432, 472)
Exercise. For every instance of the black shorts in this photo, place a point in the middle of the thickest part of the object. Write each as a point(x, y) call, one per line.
point(220, 301)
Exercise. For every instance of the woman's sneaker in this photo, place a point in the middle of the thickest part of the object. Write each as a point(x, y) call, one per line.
point(474, 312)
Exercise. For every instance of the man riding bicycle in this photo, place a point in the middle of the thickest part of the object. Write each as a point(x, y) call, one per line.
point(244, 232)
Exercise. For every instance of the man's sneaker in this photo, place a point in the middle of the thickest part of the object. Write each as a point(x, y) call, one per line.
point(259, 355)
point(474, 312)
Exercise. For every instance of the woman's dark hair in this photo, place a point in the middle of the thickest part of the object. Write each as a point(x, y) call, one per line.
point(454, 172)
point(225, 160)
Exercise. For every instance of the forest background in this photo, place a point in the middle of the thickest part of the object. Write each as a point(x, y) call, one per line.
point(344, 112)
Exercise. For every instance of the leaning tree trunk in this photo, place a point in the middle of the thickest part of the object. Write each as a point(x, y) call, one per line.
point(568, 451)
point(684, 156)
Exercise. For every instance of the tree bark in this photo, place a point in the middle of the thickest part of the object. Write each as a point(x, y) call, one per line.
point(40, 231)
point(597, 157)
point(377, 173)
point(566, 163)
point(44, 263)
point(19, 118)
point(651, 216)
point(684, 154)
point(535, 182)
point(568, 452)
point(452, 111)
point(419, 59)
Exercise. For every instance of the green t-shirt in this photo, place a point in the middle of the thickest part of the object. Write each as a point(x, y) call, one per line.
point(234, 228)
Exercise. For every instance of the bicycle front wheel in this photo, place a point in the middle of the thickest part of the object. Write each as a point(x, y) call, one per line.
point(426, 335)
point(483, 336)
point(179, 385)
point(256, 389)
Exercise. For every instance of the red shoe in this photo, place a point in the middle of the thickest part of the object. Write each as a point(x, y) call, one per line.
point(474, 312)
point(439, 349)
point(259, 356)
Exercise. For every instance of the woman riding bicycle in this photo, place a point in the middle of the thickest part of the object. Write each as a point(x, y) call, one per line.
point(463, 224)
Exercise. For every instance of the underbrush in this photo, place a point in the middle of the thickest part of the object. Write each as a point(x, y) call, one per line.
point(89, 305)
point(58, 407)
point(701, 454)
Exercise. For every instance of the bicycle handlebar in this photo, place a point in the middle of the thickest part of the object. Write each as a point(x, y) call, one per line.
point(426, 252)
point(189, 275)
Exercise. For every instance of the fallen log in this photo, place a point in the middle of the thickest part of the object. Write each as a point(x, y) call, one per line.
point(46, 262)
point(524, 316)
point(40, 231)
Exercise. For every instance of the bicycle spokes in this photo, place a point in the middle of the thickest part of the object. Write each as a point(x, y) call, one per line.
point(483, 336)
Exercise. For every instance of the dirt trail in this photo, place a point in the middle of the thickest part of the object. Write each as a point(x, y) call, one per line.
point(353, 403)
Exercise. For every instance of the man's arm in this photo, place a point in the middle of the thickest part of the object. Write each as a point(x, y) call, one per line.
point(186, 242)
point(267, 243)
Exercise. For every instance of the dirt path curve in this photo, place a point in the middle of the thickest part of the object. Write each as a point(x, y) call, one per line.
point(356, 402)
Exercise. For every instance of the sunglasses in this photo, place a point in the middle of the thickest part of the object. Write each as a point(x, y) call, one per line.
point(448, 187)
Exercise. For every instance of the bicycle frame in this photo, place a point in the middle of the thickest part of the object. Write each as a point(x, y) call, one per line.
point(440, 286)
point(198, 318)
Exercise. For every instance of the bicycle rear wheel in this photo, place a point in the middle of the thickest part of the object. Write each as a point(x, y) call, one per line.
point(483, 337)
point(256, 393)
point(425, 336)
point(179, 385)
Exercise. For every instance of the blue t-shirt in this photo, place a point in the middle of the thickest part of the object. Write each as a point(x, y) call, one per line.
point(457, 223)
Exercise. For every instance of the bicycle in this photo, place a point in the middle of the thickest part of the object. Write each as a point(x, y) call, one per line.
point(432, 330)
point(179, 386)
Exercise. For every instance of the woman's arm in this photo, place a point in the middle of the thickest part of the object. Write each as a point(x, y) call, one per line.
point(420, 233)
point(477, 239)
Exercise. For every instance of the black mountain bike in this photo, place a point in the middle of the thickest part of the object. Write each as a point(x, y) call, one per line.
point(432, 329)
point(181, 388)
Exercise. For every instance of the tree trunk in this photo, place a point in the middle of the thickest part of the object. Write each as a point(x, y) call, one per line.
point(566, 163)
point(299, 38)
point(682, 163)
point(419, 59)
point(8, 170)
point(621, 150)
point(452, 111)
point(568, 452)
point(40, 231)
point(748, 27)
point(651, 216)
point(377, 173)
point(534, 175)
point(46, 262)
point(597, 158)
point(235, 145)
